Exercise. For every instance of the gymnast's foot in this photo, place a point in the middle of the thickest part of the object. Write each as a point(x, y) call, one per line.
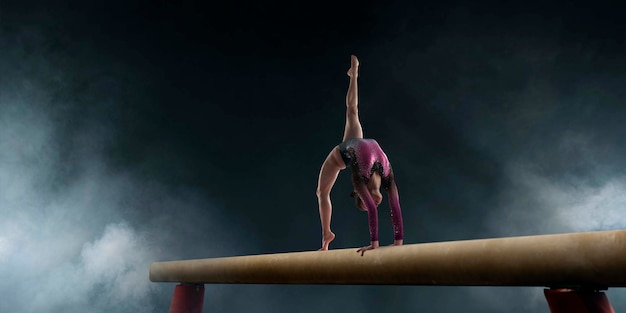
point(354, 67)
point(327, 237)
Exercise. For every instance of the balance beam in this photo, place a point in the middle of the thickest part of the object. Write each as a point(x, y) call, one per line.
point(595, 260)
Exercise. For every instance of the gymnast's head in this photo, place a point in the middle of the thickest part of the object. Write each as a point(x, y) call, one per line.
point(376, 196)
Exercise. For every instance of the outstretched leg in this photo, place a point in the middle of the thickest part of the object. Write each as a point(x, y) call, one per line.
point(353, 125)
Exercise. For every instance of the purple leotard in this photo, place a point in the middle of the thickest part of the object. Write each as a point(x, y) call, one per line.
point(364, 157)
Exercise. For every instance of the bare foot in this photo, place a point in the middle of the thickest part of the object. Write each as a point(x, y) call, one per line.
point(326, 239)
point(354, 67)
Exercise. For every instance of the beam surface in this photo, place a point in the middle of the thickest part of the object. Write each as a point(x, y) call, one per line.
point(586, 259)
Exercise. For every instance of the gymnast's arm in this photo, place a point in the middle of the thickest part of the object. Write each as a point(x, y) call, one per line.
point(396, 212)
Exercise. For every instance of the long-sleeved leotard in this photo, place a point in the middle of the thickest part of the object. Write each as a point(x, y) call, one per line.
point(364, 157)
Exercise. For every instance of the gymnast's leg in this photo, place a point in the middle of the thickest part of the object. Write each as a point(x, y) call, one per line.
point(353, 125)
point(328, 175)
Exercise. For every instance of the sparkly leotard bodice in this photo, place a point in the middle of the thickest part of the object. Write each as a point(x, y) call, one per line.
point(365, 156)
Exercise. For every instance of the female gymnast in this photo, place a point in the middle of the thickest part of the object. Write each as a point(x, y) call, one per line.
point(370, 170)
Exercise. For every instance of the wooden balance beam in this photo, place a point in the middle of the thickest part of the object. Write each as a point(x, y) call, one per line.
point(588, 259)
point(575, 266)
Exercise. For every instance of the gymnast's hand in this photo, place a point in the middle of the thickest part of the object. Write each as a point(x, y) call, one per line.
point(373, 245)
point(397, 242)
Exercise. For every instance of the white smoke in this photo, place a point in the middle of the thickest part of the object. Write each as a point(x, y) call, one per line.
point(539, 202)
point(46, 256)
point(77, 235)
point(109, 274)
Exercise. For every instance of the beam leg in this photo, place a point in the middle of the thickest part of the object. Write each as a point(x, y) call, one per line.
point(577, 301)
point(187, 298)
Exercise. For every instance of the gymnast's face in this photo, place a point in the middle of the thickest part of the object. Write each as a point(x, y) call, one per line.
point(376, 196)
point(360, 204)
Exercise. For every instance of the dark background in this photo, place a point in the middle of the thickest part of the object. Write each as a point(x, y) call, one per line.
point(140, 131)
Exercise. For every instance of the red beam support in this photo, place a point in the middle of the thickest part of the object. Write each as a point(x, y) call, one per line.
point(577, 301)
point(187, 298)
